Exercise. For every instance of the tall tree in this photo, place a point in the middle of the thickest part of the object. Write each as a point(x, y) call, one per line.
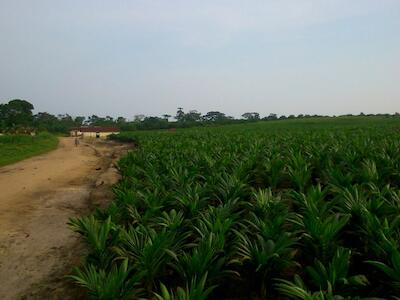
point(79, 120)
point(272, 116)
point(192, 116)
point(166, 116)
point(138, 118)
point(214, 116)
point(180, 115)
point(16, 112)
point(121, 120)
point(153, 123)
point(44, 120)
point(251, 116)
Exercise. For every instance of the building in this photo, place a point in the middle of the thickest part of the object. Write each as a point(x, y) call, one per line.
point(93, 131)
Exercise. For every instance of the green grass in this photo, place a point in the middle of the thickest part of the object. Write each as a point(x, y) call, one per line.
point(14, 148)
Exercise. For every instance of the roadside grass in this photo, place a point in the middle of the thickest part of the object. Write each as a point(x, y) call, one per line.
point(14, 148)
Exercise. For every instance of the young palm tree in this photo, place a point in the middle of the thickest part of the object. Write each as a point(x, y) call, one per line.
point(274, 167)
point(391, 269)
point(99, 235)
point(171, 220)
point(230, 188)
point(320, 234)
point(335, 274)
point(148, 251)
point(267, 258)
point(195, 291)
point(207, 257)
point(321, 226)
point(299, 171)
point(192, 200)
point(298, 290)
point(118, 283)
point(338, 177)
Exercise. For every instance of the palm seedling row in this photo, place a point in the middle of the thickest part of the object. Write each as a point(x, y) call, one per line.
point(259, 211)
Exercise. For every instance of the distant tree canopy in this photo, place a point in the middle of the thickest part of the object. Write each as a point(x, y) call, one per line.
point(153, 123)
point(251, 116)
point(18, 113)
point(214, 116)
point(180, 115)
point(192, 116)
point(271, 117)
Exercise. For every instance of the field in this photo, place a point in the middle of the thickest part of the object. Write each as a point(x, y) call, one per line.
point(14, 148)
point(302, 209)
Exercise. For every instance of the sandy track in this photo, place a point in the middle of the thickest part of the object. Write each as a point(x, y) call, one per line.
point(37, 197)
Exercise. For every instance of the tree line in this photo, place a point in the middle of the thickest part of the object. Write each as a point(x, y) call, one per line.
point(17, 116)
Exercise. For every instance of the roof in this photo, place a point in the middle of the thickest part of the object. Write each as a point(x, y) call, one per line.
point(96, 129)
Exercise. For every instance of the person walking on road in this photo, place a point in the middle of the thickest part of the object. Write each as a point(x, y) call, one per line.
point(76, 142)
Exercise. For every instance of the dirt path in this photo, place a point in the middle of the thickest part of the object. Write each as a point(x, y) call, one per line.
point(37, 197)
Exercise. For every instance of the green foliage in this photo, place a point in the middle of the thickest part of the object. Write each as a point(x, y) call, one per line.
point(391, 269)
point(194, 291)
point(335, 274)
point(102, 285)
point(298, 290)
point(148, 251)
point(16, 113)
point(300, 209)
point(98, 235)
point(207, 257)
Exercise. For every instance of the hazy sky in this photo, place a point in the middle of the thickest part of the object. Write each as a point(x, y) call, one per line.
point(151, 56)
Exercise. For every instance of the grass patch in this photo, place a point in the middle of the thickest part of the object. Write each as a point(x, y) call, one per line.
point(14, 148)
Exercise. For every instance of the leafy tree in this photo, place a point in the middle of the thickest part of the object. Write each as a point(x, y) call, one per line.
point(214, 116)
point(95, 120)
point(109, 119)
point(92, 120)
point(153, 123)
point(166, 116)
point(271, 116)
point(192, 116)
point(138, 118)
point(64, 123)
point(79, 120)
point(121, 120)
point(61, 123)
point(251, 116)
point(16, 113)
point(180, 115)
point(44, 120)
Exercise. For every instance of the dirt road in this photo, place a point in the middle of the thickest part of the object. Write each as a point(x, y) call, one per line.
point(37, 197)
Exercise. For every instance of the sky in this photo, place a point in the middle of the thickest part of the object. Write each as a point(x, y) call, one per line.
point(122, 58)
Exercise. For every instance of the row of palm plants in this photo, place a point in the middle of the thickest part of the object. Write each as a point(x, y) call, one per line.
point(250, 212)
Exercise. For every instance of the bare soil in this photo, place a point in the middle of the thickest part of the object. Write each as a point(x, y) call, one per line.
point(37, 198)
